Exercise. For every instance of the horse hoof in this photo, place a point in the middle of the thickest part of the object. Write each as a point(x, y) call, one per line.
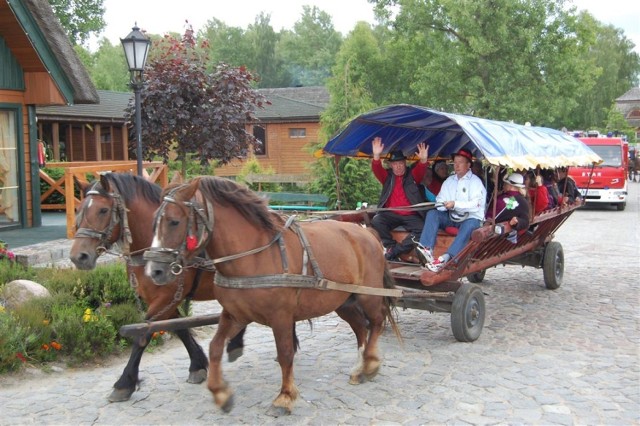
point(234, 354)
point(197, 377)
point(120, 395)
point(355, 380)
point(278, 411)
point(228, 405)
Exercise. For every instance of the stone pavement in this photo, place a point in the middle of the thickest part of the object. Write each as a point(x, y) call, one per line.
point(570, 356)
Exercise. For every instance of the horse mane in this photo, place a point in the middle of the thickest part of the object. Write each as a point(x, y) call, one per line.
point(250, 205)
point(131, 187)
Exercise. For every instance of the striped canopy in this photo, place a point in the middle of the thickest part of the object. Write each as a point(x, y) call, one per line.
point(403, 127)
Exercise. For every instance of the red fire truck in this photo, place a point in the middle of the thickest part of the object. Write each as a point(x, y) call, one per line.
point(607, 182)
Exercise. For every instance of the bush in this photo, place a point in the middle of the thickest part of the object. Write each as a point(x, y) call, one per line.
point(84, 334)
point(80, 320)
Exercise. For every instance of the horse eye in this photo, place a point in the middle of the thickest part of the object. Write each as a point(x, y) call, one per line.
point(104, 210)
point(174, 222)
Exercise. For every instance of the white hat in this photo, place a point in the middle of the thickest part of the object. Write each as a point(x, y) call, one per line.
point(515, 179)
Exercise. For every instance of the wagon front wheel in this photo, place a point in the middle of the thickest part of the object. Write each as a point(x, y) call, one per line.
point(553, 265)
point(467, 313)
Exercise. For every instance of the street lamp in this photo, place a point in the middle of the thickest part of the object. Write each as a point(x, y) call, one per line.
point(136, 47)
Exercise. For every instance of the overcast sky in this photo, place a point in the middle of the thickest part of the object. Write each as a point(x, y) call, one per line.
point(161, 16)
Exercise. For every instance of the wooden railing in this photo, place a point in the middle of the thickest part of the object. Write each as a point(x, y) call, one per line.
point(82, 171)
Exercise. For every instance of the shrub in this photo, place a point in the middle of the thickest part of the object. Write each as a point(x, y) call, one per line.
point(83, 333)
point(12, 342)
point(123, 314)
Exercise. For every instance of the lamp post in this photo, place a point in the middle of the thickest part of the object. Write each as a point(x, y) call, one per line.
point(136, 46)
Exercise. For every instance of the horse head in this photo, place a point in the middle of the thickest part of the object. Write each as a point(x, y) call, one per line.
point(182, 227)
point(98, 223)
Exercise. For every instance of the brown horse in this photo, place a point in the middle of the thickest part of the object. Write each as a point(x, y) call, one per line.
point(120, 208)
point(273, 272)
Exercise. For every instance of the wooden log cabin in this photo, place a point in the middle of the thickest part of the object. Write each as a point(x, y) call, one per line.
point(38, 67)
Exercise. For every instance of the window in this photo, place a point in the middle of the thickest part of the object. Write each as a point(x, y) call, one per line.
point(260, 147)
point(297, 133)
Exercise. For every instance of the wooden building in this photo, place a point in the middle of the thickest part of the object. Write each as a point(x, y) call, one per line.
point(38, 67)
point(98, 132)
point(629, 105)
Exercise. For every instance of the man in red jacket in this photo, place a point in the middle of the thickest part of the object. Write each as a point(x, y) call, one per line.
point(399, 189)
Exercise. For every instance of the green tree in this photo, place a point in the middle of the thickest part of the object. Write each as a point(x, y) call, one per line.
point(492, 58)
point(349, 180)
point(80, 18)
point(191, 113)
point(618, 124)
point(309, 51)
point(266, 63)
point(226, 44)
point(109, 69)
point(616, 67)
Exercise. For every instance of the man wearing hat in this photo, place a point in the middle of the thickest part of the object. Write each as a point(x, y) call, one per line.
point(462, 201)
point(399, 189)
point(512, 205)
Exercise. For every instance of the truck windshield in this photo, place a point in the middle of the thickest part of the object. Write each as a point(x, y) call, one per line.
point(612, 155)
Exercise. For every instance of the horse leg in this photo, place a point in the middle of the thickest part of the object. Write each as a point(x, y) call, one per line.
point(222, 393)
point(283, 332)
point(126, 384)
point(353, 315)
point(235, 347)
point(374, 309)
point(198, 366)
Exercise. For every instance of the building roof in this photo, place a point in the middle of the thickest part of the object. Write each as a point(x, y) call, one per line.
point(287, 104)
point(632, 95)
point(110, 108)
point(50, 42)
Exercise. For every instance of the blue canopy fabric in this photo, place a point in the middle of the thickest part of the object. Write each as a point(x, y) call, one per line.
point(403, 127)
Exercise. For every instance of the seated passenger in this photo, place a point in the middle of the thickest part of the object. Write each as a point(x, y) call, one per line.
point(462, 202)
point(549, 180)
point(440, 174)
point(567, 186)
point(399, 189)
point(537, 192)
point(426, 183)
point(479, 171)
point(512, 206)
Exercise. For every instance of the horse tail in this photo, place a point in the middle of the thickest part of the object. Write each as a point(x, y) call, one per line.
point(389, 303)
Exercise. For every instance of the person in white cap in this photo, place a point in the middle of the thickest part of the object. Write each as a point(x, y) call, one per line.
point(511, 204)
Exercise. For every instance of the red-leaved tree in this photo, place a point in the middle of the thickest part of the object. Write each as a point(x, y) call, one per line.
point(193, 113)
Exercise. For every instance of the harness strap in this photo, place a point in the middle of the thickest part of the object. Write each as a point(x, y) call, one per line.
point(299, 281)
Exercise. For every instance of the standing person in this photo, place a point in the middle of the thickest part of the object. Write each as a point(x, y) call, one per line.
point(463, 201)
point(399, 189)
point(512, 206)
point(567, 186)
point(537, 192)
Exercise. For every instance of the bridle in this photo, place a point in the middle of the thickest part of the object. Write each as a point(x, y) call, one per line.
point(118, 216)
point(198, 218)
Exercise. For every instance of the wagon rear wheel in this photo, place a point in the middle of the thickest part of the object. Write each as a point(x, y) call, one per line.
point(553, 265)
point(467, 313)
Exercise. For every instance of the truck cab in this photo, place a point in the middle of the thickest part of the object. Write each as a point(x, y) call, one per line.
point(606, 183)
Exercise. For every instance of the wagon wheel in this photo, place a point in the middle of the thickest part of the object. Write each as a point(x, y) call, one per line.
point(476, 277)
point(467, 313)
point(553, 265)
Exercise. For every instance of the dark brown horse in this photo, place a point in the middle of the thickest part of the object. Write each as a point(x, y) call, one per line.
point(120, 208)
point(275, 272)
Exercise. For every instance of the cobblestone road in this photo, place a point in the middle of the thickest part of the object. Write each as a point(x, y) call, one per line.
point(570, 356)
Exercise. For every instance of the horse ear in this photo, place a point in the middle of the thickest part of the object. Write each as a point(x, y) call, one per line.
point(81, 183)
point(192, 187)
point(177, 178)
point(104, 182)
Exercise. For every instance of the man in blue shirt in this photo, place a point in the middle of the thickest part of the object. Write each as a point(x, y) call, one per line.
point(462, 201)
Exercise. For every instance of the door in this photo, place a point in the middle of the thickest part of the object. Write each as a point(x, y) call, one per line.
point(9, 189)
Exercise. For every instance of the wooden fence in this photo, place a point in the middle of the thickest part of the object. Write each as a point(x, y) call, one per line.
point(83, 171)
